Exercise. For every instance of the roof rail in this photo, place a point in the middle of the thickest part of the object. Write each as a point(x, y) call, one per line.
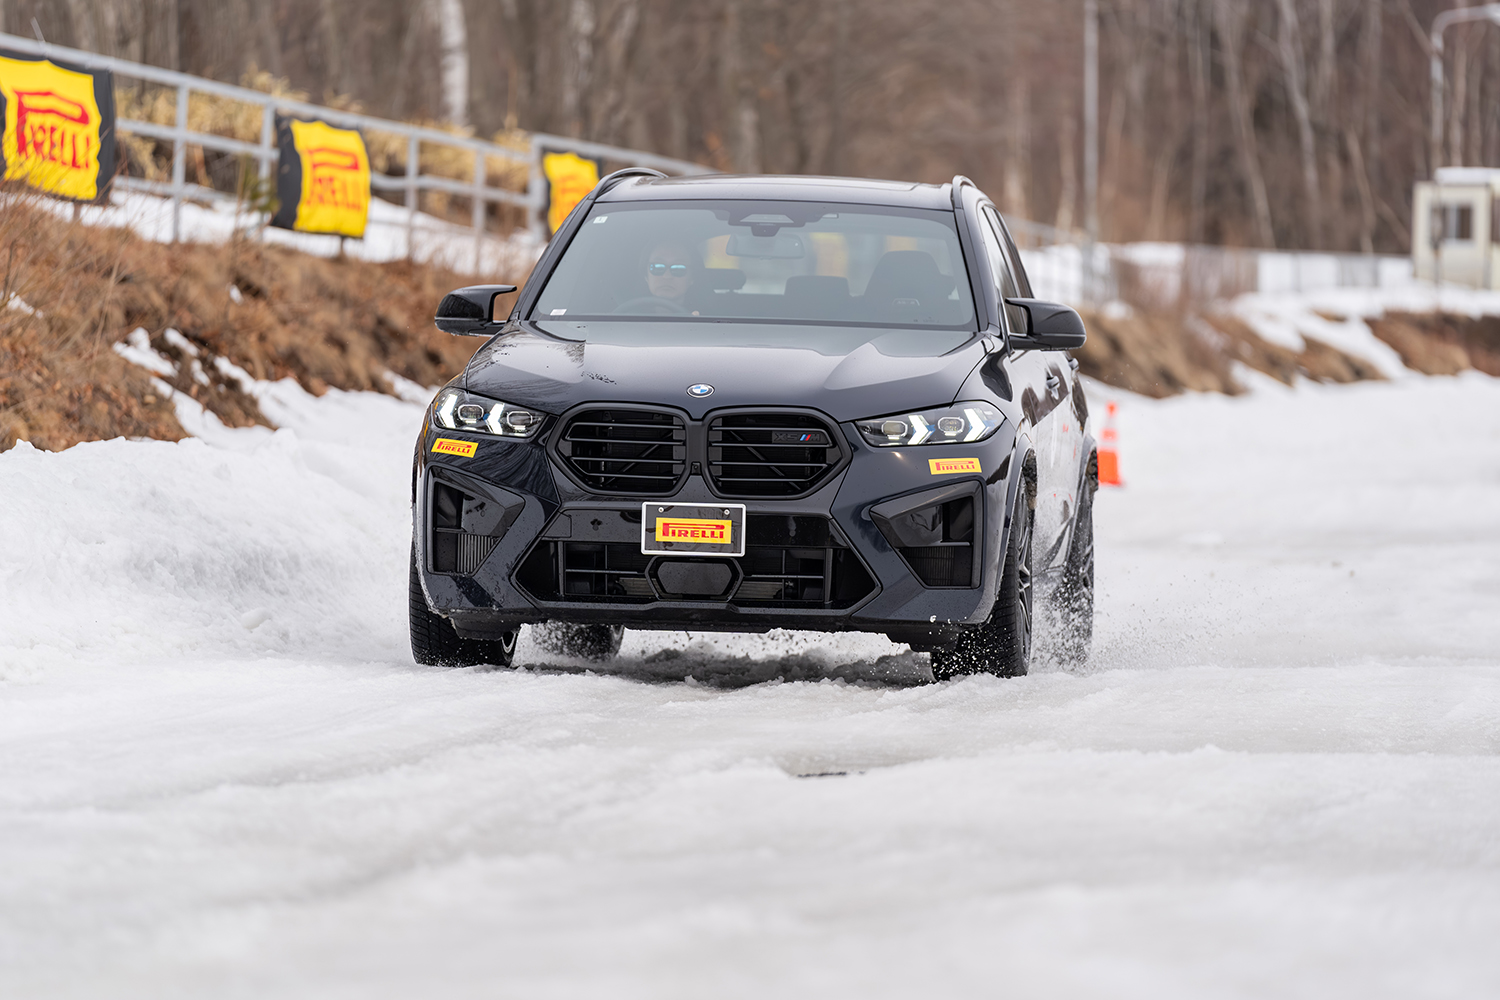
point(959, 182)
point(619, 175)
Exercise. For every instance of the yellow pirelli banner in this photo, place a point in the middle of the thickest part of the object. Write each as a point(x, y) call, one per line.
point(570, 178)
point(322, 178)
point(59, 126)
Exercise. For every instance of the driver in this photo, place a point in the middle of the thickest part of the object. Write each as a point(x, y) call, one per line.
point(669, 274)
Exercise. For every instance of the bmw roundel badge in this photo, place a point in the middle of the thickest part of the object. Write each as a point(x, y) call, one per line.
point(701, 389)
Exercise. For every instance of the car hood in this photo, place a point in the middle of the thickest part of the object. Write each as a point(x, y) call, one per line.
point(854, 374)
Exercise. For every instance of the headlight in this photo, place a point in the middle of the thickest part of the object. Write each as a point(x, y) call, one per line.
point(961, 423)
point(457, 410)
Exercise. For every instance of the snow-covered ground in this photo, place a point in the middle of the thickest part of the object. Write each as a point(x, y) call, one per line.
point(221, 775)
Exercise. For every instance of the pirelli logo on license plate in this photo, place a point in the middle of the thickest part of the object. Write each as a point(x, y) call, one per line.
point(448, 446)
point(703, 529)
point(949, 466)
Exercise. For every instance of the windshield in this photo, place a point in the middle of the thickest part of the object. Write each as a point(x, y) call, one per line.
point(763, 262)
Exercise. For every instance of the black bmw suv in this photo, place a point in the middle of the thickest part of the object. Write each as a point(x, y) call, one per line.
point(748, 403)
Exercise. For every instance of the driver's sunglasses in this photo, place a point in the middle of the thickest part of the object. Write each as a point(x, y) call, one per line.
point(661, 270)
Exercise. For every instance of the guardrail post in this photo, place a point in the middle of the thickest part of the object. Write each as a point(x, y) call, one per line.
point(267, 139)
point(535, 196)
point(479, 208)
point(267, 148)
point(413, 167)
point(179, 160)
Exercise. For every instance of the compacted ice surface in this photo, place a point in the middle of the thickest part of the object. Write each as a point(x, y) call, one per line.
point(222, 775)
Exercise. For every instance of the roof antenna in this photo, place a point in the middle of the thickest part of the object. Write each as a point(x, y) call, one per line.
point(38, 29)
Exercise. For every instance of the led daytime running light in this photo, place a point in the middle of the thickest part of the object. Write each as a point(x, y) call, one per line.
point(966, 423)
point(453, 411)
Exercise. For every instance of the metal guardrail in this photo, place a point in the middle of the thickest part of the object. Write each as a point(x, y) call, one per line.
point(1168, 276)
point(533, 199)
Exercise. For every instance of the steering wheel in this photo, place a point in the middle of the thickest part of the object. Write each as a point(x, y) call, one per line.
point(651, 305)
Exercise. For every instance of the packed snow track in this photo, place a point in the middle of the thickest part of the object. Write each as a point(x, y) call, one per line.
point(221, 774)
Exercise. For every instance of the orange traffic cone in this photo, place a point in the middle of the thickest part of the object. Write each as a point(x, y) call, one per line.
point(1109, 456)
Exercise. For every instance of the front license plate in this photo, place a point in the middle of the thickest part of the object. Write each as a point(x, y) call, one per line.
point(669, 529)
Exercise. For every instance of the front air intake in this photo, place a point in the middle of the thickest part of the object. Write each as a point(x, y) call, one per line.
point(948, 561)
point(771, 454)
point(625, 452)
point(454, 549)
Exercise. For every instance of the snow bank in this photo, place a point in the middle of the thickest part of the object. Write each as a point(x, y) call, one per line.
point(137, 550)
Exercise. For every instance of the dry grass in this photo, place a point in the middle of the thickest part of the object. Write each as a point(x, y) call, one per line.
point(1442, 343)
point(1165, 353)
point(224, 116)
point(322, 322)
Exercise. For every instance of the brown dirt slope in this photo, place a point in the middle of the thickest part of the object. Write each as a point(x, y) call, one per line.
point(1163, 354)
point(79, 289)
point(1442, 343)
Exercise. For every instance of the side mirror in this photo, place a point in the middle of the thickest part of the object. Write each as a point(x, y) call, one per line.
point(467, 312)
point(1050, 326)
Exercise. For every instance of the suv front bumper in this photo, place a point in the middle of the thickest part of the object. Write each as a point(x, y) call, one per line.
point(504, 537)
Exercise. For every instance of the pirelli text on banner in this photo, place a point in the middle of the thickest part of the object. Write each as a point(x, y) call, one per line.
point(570, 178)
point(322, 178)
point(59, 126)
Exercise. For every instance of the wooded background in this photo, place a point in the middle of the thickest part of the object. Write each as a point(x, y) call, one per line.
point(1287, 123)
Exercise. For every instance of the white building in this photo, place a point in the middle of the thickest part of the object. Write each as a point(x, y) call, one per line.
point(1455, 227)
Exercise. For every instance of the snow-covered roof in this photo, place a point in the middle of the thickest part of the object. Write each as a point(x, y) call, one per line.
point(1468, 175)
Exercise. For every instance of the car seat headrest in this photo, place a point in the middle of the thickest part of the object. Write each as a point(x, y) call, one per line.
point(908, 274)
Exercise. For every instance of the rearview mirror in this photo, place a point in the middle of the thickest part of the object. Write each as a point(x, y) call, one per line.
point(1050, 326)
point(785, 246)
point(469, 312)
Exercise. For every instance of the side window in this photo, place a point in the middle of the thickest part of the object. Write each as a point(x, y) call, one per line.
point(1015, 256)
point(1005, 280)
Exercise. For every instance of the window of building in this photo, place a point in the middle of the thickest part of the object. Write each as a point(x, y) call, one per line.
point(1453, 223)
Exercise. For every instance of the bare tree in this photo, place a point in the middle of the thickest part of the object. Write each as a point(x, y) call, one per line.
point(1298, 122)
point(1289, 48)
point(1229, 17)
point(453, 43)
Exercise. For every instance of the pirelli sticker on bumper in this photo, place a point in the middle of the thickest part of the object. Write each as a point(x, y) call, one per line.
point(448, 446)
point(949, 466)
point(693, 529)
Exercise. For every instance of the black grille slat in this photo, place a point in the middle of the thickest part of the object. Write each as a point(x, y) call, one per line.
point(625, 451)
point(745, 460)
point(790, 561)
point(629, 475)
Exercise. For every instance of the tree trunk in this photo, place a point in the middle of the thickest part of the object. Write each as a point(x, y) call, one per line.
point(453, 58)
point(1289, 48)
point(1374, 43)
point(1018, 155)
point(1198, 55)
point(1458, 106)
point(1068, 153)
point(1366, 198)
point(743, 125)
point(578, 77)
point(82, 19)
point(1326, 79)
point(333, 49)
point(1229, 16)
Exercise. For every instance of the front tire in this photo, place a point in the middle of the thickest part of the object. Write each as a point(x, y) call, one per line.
point(1074, 599)
point(435, 643)
point(1002, 645)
